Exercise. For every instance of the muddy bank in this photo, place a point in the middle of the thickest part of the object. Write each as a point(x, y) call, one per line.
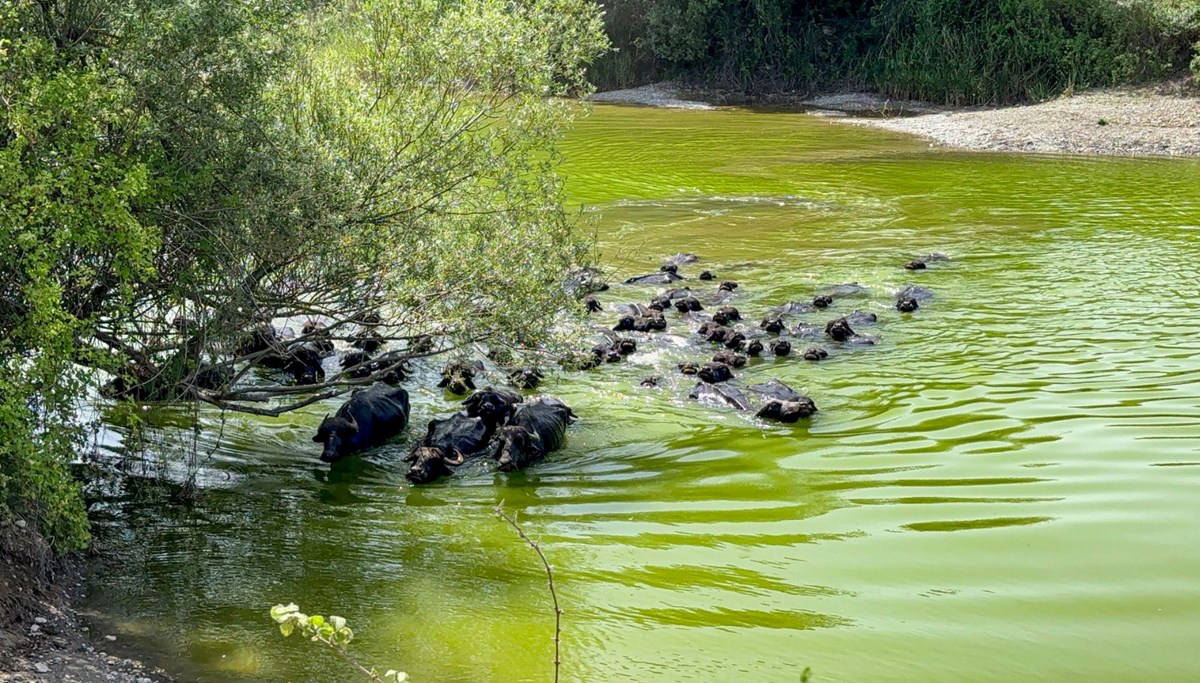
point(42, 638)
point(1162, 120)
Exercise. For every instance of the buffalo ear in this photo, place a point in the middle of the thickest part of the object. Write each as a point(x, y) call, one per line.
point(472, 401)
point(317, 438)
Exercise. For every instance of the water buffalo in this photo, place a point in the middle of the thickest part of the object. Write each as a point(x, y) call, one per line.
point(317, 333)
point(421, 345)
point(722, 395)
point(808, 331)
point(669, 268)
point(525, 378)
point(447, 444)
point(605, 353)
point(729, 313)
point(689, 367)
point(584, 281)
point(369, 418)
point(907, 305)
point(727, 286)
point(714, 373)
point(776, 390)
point(358, 364)
point(458, 376)
point(781, 347)
point(752, 347)
point(494, 406)
point(683, 259)
point(729, 358)
point(734, 341)
point(628, 323)
point(301, 360)
point(840, 331)
point(915, 264)
point(773, 325)
point(793, 308)
point(815, 353)
point(591, 304)
point(687, 304)
point(649, 382)
point(707, 275)
point(915, 292)
point(721, 334)
point(654, 279)
point(787, 411)
point(537, 429)
point(846, 289)
point(862, 318)
point(822, 301)
point(367, 340)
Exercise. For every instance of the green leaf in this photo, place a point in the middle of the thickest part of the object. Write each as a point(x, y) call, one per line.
point(337, 622)
point(287, 627)
point(282, 612)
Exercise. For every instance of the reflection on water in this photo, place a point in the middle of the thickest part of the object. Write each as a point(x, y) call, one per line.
point(1043, 407)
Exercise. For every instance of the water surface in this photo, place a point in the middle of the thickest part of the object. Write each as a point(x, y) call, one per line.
point(1004, 488)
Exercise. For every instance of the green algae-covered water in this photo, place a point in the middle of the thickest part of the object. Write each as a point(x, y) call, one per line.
point(1004, 488)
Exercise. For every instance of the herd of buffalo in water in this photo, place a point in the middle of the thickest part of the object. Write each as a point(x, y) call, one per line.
point(517, 432)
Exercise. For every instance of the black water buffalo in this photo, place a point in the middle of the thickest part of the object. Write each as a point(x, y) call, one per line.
point(773, 325)
point(420, 345)
point(846, 289)
point(776, 390)
point(722, 335)
point(907, 305)
point(628, 323)
point(367, 340)
point(649, 382)
point(624, 346)
point(458, 376)
point(815, 353)
point(862, 318)
point(781, 347)
point(358, 364)
point(301, 360)
point(447, 443)
point(525, 378)
point(605, 353)
point(369, 418)
point(715, 373)
point(660, 278)
point(752, 347)
point(727, 286)
point(838, 330)
point(822, 301)
point(734, 341)
point(494, 406)
point(787, 411)
point(707, 275)
point(317, 333)
point(793, 308)
point(591, 304)
point(265, 337)
point(538, 429)
point(687, 304)
point(584, 281)
point(683, 259)
point(689, 367)
point(915, 292)
point(669, 268)
point(722, 395)
point(729, 358)
point(730, 313)
point(915, 264)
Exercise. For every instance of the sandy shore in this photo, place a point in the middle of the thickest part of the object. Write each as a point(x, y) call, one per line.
point(1160, 120)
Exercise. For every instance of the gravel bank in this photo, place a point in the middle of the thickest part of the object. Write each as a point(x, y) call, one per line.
point(664, 94)
point(1162, 120)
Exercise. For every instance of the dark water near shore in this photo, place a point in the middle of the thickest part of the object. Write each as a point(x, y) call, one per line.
point(1004, 488)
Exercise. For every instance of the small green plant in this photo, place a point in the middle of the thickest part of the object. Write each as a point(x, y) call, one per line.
point(332, 632)
point(1102, 122)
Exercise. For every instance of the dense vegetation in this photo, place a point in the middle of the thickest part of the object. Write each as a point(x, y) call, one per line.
point(175, 172)
point(953, 51)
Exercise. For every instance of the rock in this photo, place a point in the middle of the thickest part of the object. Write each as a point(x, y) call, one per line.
point(143, 679)
point(110, 638)
point(21, 524)
point(39, 620)
point(41, 668)
point(35, 628)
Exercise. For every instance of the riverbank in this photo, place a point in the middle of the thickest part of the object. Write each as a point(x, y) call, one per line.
point(42, 638)
point(1158, 120)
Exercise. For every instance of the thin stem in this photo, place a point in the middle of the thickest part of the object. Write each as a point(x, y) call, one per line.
point(549, 581)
